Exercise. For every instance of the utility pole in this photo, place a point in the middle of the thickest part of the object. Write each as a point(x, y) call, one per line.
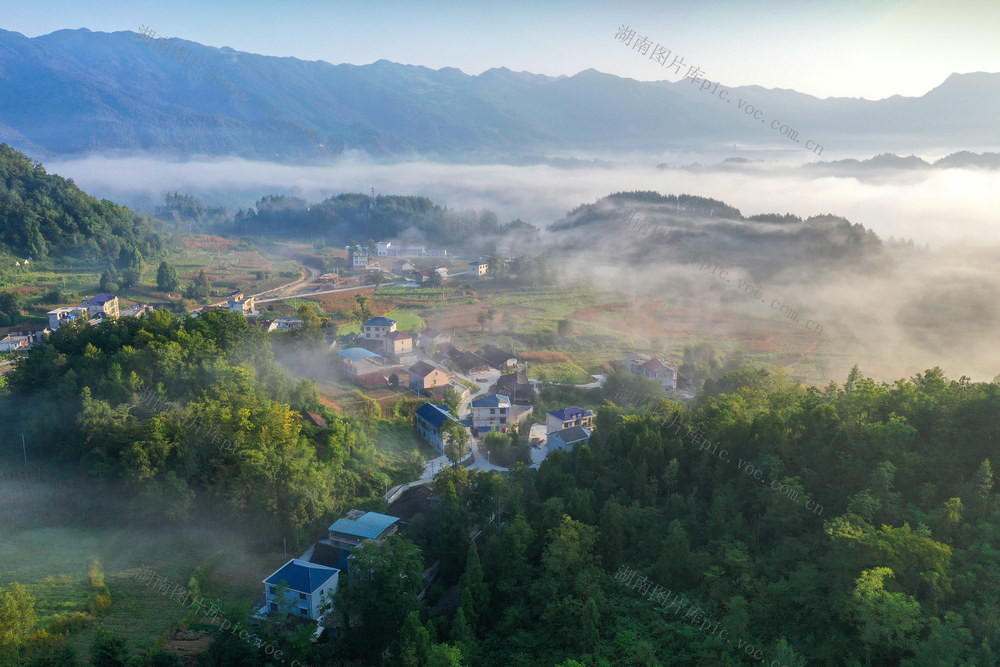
point(24, 450)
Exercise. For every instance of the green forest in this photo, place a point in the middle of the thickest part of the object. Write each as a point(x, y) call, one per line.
point(44, 215)
point(766, 521)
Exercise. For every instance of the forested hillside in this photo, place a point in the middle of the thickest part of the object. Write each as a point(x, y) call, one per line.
point(189, 414)
point(693, 229)
point(43, 214)
point(850, 526)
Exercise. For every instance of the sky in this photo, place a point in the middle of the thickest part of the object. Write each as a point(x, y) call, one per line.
point(832, 48)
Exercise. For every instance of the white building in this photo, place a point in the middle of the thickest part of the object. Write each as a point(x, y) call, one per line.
point(61, 316)
point(307, 587)
point(491, 413)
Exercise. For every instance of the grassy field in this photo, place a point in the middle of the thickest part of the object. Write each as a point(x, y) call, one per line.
point(48, 540)
point(561, 372)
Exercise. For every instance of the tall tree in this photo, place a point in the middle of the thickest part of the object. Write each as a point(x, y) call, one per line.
point(166, 277)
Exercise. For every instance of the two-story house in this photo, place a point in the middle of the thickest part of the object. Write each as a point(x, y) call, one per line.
point(663, 372)
point(431, 419)
point(424, 376)
point(478, 268)
point(61, 316)
point(558, 420)
point(102, 303)
point(376, 330)
point(491, 413)
point(398, 342)
point(302, 588)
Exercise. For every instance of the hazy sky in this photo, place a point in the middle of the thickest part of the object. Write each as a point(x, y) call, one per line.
point(827, 48)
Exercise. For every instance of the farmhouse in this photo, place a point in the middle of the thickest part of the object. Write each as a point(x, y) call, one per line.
point(398, 342)
point(430, 420)
point(557, 420)
point(498, 359)
point(568, 438)
point(306, 585)
point(516, 386)
point(358, 526)
point(106, 304)
point(424, 376)
point(61, 316)
point(478, 268)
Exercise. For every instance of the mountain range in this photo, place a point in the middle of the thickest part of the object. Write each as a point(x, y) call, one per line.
point(75, 92)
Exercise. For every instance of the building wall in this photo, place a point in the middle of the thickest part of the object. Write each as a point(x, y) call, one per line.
point(430, 434)
point(482, 420)
point(311, 603)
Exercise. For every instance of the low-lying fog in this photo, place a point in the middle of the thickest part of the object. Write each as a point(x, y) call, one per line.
point(935, 307)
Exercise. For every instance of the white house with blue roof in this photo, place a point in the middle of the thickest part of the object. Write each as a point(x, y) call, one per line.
point(430, 420)
point(491, 413)
point(307, 588)
point(358, 526)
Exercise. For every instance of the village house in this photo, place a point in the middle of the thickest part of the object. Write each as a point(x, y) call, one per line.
point(61, 316)
point(424, 376)
point(498, 359)
point(432, 337)
point(375, 331)
point(662, 371)
point(478, 268)
point(654, 368)
point(285, 324)
point(301, 587)
point(568, 438)
point(468, 362)
point(429, 422)
point(237, 303)
point(355, 358)
point(106, 304)
point(358, 526)
point(398, 343)
point(557, 420)
point(491, 413)
point(137, 310)
point(516, 386)
point(402, 267)
point(12, 343)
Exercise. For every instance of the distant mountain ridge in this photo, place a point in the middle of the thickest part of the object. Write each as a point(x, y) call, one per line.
point(73, 92)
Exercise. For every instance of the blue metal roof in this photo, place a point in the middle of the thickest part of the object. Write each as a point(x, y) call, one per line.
point(370, 526)
point(302, 576)
point(436, 415)
point(357, 354)
point(379, 322)
point(570, 413)
point(491, 401)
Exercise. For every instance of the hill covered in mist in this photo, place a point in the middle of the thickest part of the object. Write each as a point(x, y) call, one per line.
point(650, 228)
point(79, 92)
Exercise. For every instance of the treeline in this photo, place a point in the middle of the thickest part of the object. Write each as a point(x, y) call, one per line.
point(43, 214)
point(381, 217)
point(854, 525)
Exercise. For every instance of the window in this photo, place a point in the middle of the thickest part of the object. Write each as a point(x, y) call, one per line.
point(304, 612)
point(492, 411)
point(302, 596)
point(274, 590)
point(274, 606)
